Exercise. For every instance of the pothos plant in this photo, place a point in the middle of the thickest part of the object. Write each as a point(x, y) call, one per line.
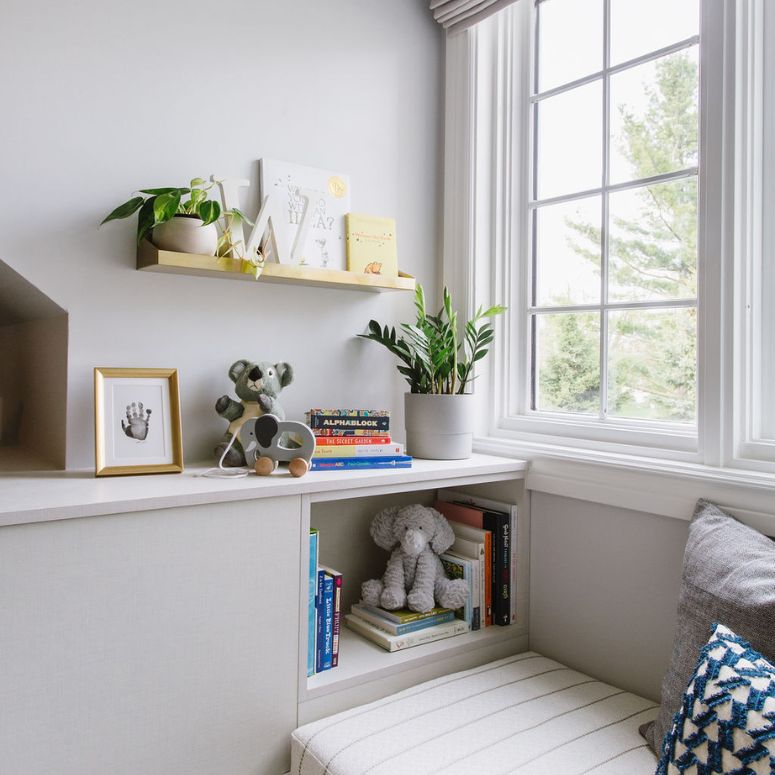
point(434, 357)
point(159, 205)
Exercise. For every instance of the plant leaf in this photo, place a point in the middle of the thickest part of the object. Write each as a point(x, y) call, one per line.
point(209, 211)
point(125, 210)
point(240, 216)
point(160, 191)
point(165, 206)
point(145, 219)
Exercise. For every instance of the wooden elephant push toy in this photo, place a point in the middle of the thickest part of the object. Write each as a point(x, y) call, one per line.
point(268, 441)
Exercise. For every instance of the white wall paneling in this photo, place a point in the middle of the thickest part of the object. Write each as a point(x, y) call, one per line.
point(152, 642)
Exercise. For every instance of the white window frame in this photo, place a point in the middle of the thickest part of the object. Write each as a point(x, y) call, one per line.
point(487, 166)
point(526, 393)
point(754, 192)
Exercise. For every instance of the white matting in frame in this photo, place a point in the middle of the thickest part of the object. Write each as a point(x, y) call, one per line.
point(137, 421)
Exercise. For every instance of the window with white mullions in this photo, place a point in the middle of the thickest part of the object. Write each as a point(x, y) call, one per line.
point(612, 313)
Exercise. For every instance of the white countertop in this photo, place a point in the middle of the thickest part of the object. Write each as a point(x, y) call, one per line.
point(52, 495)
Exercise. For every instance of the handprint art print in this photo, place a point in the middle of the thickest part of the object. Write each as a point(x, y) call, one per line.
point(137, 421)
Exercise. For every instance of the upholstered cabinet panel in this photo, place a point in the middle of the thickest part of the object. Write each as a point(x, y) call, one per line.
point(154, 637)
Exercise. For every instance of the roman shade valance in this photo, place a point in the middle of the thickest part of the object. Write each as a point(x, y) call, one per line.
point(459, 15)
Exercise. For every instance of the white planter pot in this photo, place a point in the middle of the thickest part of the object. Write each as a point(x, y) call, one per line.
point(186, 234)
point(439, 427)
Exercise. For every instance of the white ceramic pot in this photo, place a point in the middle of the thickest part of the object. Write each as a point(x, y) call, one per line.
point(439, 427)
point(186, 234)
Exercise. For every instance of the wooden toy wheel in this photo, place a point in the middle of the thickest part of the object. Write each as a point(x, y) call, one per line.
point(298, 466)
point(265, 466)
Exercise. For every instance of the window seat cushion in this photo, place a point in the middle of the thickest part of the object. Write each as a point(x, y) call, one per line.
point(523, 714)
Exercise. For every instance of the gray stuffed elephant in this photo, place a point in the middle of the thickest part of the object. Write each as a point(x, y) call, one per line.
point(414, 577)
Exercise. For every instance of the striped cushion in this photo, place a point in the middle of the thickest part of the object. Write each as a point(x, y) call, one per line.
point(524, 714)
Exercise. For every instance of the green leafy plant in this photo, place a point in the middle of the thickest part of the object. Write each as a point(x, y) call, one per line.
point(159, 205)
point(435, 359)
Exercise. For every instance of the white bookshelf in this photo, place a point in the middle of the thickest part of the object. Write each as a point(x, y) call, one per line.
point(366, 671)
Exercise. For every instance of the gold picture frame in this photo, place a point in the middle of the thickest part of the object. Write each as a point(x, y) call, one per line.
point(137, 426)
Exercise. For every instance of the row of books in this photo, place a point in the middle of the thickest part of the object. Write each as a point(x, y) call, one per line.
point(484, 555)
point(324, 610)
point(354, 439)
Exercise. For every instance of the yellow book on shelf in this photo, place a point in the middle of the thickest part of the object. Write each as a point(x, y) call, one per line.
point(371, 244)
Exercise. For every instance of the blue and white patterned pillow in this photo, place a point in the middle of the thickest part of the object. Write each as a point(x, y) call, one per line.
point(727, 720)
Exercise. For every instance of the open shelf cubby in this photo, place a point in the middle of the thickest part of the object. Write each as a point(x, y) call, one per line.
point(345, 544)
point(150, 258)
point(33, 379)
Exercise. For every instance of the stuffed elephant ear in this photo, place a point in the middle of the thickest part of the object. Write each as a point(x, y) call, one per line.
point(382, 528)
point(444, 536)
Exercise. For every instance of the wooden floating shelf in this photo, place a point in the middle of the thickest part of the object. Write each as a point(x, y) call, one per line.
point(150, 258)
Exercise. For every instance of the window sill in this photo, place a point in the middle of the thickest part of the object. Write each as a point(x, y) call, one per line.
point(666, 488)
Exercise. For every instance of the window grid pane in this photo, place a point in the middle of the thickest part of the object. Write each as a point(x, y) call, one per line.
point(540, 335)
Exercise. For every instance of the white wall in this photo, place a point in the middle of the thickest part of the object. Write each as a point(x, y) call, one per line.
point(101, 98)
point(604, 585)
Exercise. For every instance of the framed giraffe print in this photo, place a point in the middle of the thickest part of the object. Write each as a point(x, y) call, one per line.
point(137, 422)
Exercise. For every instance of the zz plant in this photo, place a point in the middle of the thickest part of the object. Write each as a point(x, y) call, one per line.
point(433, 356)
point(159, 205)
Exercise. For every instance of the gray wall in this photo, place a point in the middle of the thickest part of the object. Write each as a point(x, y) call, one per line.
point(604, 587)
point(101, 98)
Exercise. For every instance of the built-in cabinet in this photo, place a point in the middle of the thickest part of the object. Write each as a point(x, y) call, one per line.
point(158, 624)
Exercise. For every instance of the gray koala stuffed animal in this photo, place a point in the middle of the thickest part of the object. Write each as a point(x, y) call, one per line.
point(257, 385)
point(414, 576)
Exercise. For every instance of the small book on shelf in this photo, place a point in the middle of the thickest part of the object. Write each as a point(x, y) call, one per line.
point(385, 462)
point(376, 617)
point(325, 622)
point(371, 244)
point(311, 601)
point(405, 615)
point(358, 450)
point(409, 640)
point(336, 577)
point(327, 618)
point(466, 569)
point(476, 544)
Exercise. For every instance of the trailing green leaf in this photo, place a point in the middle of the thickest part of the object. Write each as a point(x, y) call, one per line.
point(125, 210)
point(145, 219)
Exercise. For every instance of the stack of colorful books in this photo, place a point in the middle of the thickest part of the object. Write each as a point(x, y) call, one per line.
point(353, 439)
point(402, 629)
point(324, 606)
point(484, 554)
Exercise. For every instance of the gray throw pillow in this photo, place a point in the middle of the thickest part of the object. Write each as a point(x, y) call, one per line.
point(729, 578)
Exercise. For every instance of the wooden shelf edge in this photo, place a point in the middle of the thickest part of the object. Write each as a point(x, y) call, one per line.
point(150, 258)
point(382, 664)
